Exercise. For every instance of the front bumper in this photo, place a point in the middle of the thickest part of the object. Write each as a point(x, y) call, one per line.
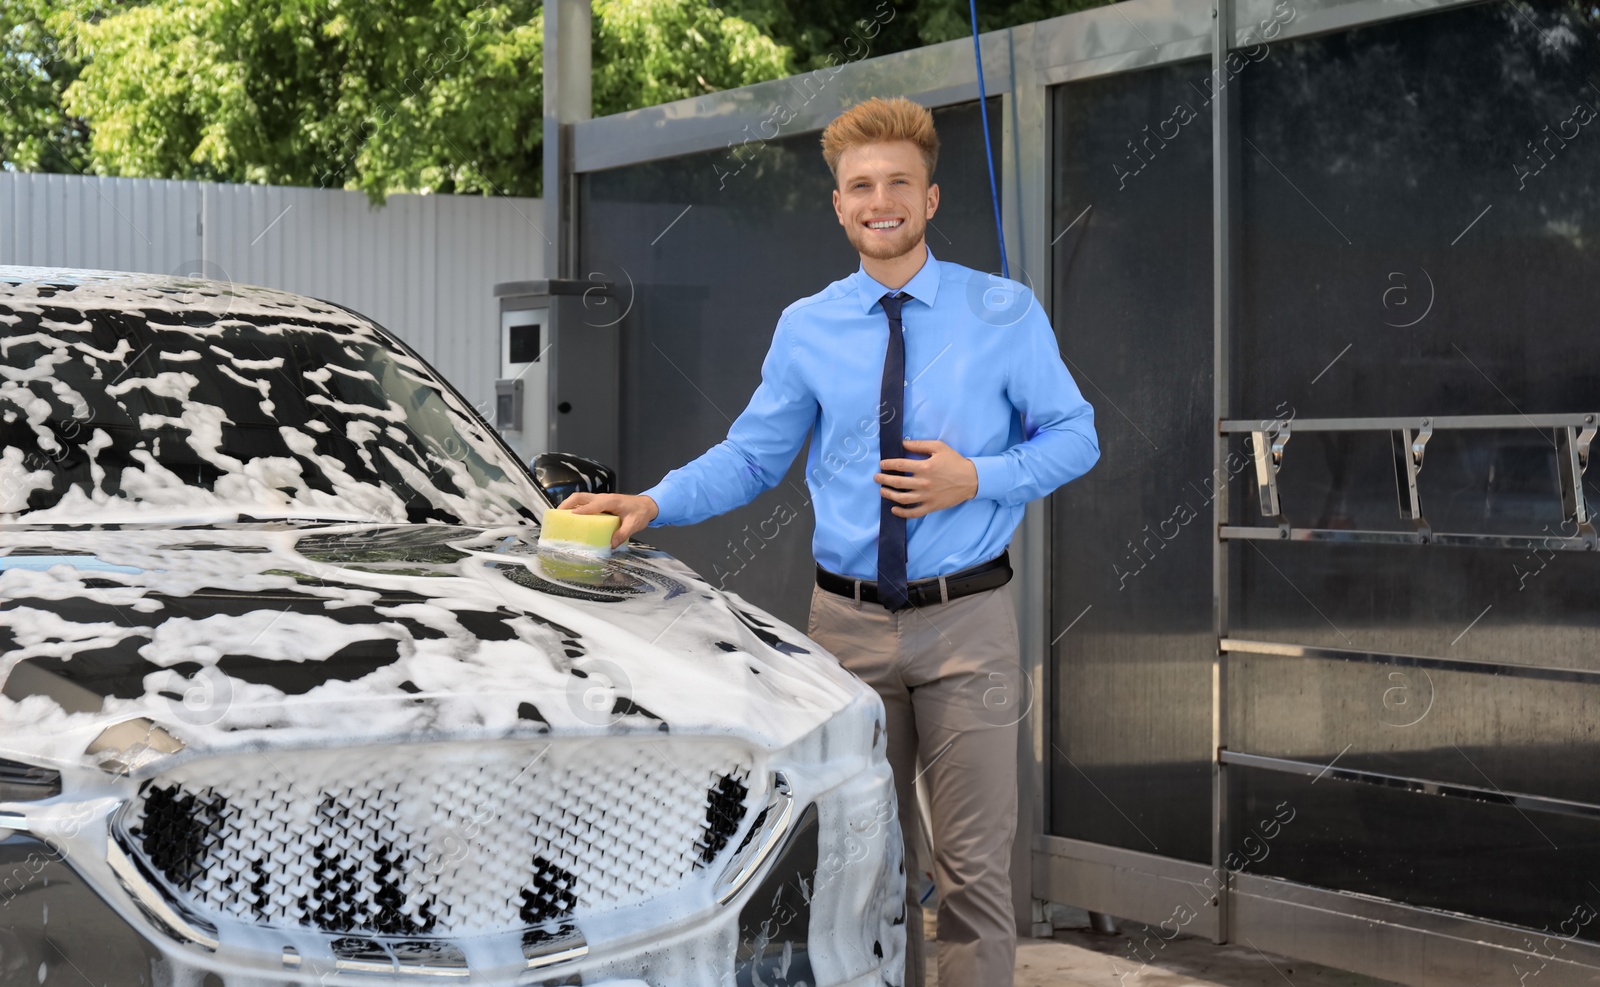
point(825, 909)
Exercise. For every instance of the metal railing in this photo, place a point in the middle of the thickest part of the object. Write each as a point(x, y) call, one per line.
point(1571, 437)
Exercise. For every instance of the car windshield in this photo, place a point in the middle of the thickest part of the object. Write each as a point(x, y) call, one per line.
point(162, 411)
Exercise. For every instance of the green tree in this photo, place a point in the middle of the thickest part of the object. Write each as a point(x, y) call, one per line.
point(648, 52)
point(36, 134)
point(818, 29)
point(393, 95)
point(381, 95)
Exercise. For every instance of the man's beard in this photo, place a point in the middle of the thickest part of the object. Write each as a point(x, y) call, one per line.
point(885, 248)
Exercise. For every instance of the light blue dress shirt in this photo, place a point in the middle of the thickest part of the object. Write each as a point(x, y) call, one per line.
point(983, 374)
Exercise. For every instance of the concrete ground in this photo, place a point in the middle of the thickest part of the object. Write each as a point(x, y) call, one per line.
point(1079, 957)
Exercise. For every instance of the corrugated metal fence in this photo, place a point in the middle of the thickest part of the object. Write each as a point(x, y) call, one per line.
point(424, 266)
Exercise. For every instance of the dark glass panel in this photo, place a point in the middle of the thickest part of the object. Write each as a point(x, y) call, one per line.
point(1527, 868)
point(1513, 734)
point(1418, 238)
point(1131, 697)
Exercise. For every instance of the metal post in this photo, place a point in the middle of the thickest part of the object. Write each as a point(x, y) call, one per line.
point(1025, 198)
point(568, 99)
point(1223, 189)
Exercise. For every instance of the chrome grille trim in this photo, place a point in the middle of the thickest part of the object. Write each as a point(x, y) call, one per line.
point(766, 834)
point(165, 916)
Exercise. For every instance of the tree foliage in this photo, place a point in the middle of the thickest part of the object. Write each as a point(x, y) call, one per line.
point(381, 95)
point(648, 52)
point(816, 29)
point(392, 95)
point(36, 67)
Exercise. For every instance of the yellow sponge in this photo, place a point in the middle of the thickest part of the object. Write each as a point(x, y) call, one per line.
point(578, 532)
point(570, 567)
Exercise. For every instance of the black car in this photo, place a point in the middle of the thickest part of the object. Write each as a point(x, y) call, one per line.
point(289, 691)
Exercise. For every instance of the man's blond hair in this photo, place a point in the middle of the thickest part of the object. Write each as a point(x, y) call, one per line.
point(877, 121)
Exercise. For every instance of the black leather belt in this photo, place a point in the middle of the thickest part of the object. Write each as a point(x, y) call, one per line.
point(923, 592)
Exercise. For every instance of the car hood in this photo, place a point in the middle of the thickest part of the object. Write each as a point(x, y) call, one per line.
point(227, 637)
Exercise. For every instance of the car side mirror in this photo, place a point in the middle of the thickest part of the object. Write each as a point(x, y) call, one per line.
point(561, 474)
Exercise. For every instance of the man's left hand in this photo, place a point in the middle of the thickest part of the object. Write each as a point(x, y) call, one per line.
point(944, 479)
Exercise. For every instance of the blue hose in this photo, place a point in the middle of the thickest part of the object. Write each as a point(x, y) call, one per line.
point(988, 151)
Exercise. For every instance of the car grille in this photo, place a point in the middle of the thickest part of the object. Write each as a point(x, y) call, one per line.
point(447, 840)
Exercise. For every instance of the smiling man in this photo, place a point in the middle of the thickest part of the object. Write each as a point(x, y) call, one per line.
point(958, 377)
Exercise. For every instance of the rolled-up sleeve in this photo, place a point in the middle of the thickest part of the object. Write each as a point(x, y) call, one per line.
point(758, 450)
point(1059, 442)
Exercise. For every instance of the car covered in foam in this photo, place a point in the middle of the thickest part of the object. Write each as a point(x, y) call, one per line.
point(290, 692)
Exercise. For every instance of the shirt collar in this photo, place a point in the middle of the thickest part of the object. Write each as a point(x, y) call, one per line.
point(924, 286)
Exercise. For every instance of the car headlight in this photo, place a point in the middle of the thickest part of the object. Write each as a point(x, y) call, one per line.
point(27, 782)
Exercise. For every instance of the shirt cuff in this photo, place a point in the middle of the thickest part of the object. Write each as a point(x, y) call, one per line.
point(662, 495)
point(994, 477)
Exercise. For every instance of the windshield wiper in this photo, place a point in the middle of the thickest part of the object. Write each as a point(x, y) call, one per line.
point(305, 519)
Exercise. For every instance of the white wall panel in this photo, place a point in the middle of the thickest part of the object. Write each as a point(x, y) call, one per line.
point(421, 265)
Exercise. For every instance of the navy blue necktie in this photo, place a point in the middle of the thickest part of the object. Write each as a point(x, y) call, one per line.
point(892, 527)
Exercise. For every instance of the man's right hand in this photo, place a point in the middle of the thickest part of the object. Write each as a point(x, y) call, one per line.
point(635, 510)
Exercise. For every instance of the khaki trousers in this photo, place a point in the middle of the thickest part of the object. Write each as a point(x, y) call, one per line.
point(950, 677)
